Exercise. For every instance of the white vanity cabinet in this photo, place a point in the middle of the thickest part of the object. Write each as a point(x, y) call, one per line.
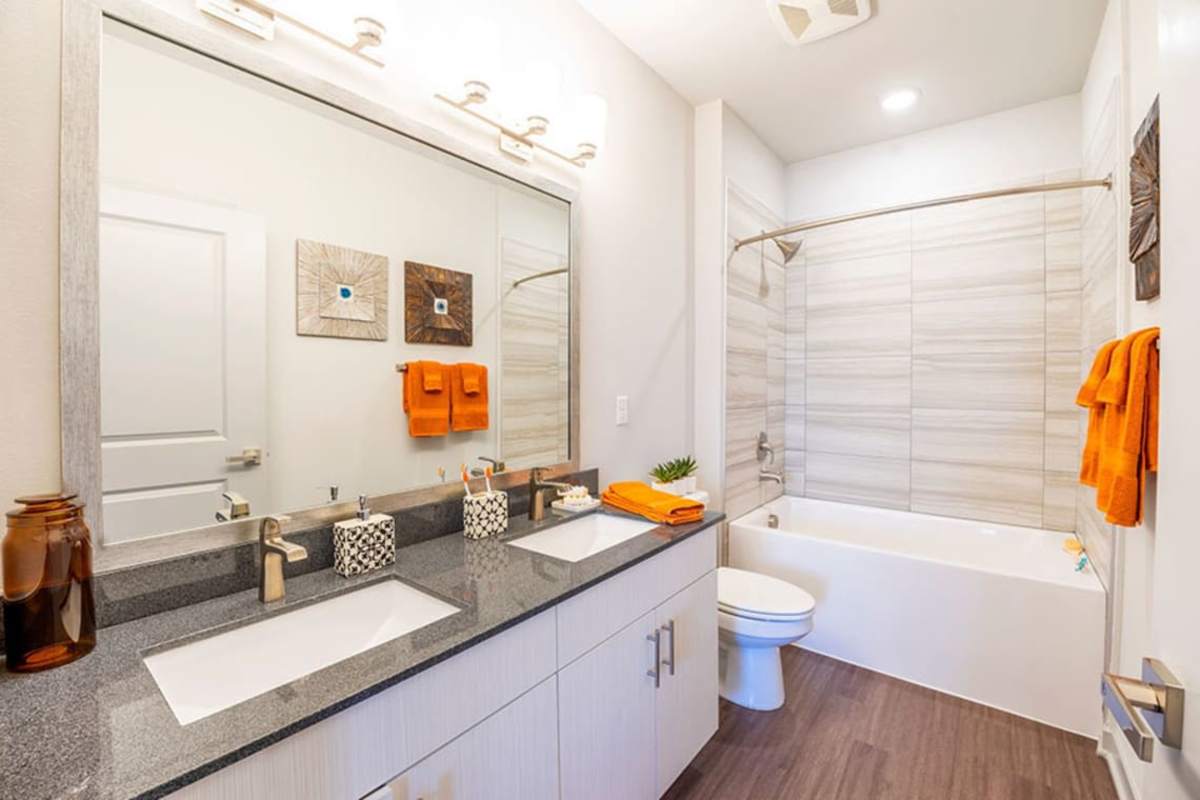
point(627, 728)
point(511, 754)
point(564, 704)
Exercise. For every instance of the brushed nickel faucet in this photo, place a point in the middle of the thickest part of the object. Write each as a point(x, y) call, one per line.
point(272, 550)
point(537, 488)
point(767, 475)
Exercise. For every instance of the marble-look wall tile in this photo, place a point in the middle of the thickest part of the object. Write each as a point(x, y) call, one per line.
point(1097, 535)
point(742, 491)
point(796, 373)
point(858, 331)
point(1063, 443)
point(995, 494)
point(1058, 501)
point(881, 280)
point(1063, 321)
point(868, 481)
point(795, 425)
point(1064, 209)
point(795, 472)
point(1008, 324)
point(980, 269)
point(1099, 293)
point(874, 382)
point(990, 438)
point(742, 426)
point(878, 432)
point(1065, 372)
point(996, 219)
point(859, 239)
point(1064, 257)
point(1002, 381)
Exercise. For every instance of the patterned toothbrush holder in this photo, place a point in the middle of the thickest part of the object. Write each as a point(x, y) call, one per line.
point(485, 514)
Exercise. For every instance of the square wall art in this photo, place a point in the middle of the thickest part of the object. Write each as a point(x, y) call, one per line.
point(340, 292)
point(437, 305)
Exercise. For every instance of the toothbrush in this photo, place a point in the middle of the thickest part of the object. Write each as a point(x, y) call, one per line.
point(466, 482)
point(487, 479)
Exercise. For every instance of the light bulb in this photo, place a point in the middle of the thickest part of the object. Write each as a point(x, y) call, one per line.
point(900, 100)
point(538, 90)
point(479, 50)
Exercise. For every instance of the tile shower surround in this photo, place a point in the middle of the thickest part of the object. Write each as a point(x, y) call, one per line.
point(931, 358)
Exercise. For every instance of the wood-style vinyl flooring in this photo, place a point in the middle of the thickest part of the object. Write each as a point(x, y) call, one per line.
point(846, 733)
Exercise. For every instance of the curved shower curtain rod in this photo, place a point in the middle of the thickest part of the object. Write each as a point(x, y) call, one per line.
point(789, 248)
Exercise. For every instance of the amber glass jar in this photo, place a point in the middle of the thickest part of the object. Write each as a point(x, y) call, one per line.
point(49, 611)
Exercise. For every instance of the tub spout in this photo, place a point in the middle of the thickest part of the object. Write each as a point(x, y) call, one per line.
point(767, 475)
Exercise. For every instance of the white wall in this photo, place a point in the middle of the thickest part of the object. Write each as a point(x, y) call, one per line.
point(979, 153)
point(635, 234)
point(29, 89)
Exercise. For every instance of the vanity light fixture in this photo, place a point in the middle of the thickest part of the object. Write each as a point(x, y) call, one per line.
point(258, 18)
point(520, 140)
point(530, 106)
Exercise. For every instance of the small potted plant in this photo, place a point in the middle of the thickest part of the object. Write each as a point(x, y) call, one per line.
point(677, 476)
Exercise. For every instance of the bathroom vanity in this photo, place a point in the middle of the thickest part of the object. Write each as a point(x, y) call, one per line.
point(549, 678)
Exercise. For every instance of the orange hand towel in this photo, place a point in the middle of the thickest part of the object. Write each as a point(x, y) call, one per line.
point(1089, 470)
point(1130, 428)
point(636, 497)
point(468, 397)
point(426, 401)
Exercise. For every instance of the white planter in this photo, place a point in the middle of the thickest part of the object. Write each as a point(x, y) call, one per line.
point(678, 488)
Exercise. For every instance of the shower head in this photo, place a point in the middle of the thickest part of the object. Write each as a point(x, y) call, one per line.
point(789, 249)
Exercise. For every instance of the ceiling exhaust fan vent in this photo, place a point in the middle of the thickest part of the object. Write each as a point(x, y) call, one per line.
point(804, 21)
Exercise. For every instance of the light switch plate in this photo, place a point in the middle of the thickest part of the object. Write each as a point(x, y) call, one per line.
point(622, 409)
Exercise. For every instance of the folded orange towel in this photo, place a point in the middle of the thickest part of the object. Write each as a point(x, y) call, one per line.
point(468, 397)
point(1089, 470)
point(636, 497)
point(425, 401)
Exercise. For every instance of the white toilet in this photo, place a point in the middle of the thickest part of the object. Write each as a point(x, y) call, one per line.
point(756, 615)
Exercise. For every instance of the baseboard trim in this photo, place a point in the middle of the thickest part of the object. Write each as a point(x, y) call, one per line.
point(1107, 748)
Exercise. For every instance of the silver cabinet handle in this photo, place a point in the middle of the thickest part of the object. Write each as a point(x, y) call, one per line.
point(670, 660)
point(656, 673)
point(250, 457)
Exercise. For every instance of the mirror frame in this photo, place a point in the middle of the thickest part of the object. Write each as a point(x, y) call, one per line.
point(79, 329)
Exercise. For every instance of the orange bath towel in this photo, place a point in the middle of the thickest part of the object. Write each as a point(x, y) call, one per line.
point(468, 397)
point(636, 497)
point(1122, 444)
point(1089, 470)
point(427, 399)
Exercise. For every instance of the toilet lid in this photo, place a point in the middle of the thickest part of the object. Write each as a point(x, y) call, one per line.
point(751, 594)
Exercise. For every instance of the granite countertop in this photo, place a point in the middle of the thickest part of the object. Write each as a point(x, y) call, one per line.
point(100, 728)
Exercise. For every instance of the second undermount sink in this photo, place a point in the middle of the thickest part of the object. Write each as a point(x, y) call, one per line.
point(583, 537)
point(209, 675)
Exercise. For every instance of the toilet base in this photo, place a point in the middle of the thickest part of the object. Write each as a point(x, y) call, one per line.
point(751, 677)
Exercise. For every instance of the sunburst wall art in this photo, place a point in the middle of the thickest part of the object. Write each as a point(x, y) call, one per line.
point(340, 292)
point(1143, 196)
point(437, 305)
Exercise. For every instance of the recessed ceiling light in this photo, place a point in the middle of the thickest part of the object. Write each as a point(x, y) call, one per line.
point(900, 100)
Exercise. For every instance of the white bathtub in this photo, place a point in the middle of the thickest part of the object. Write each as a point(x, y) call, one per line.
point(992, 613)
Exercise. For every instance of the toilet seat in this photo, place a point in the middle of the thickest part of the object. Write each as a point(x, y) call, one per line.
point(753, 596)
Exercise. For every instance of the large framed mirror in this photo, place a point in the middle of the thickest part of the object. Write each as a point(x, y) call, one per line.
point(278, 296)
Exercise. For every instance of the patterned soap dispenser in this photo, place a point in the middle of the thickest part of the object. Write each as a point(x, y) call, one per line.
point(365, 543)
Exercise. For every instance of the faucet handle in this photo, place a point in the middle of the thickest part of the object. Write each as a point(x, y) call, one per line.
point(278, 520)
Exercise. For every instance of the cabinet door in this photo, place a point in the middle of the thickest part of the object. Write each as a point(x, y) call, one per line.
point(513, 753)
point(686, 705)
point(606, 718)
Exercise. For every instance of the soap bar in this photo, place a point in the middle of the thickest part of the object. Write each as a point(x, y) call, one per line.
point(363, 545)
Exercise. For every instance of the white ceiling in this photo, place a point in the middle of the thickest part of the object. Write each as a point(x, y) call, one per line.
point(968, 58)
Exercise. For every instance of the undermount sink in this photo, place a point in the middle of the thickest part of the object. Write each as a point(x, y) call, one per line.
point(209, 675)
point(583, 537)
